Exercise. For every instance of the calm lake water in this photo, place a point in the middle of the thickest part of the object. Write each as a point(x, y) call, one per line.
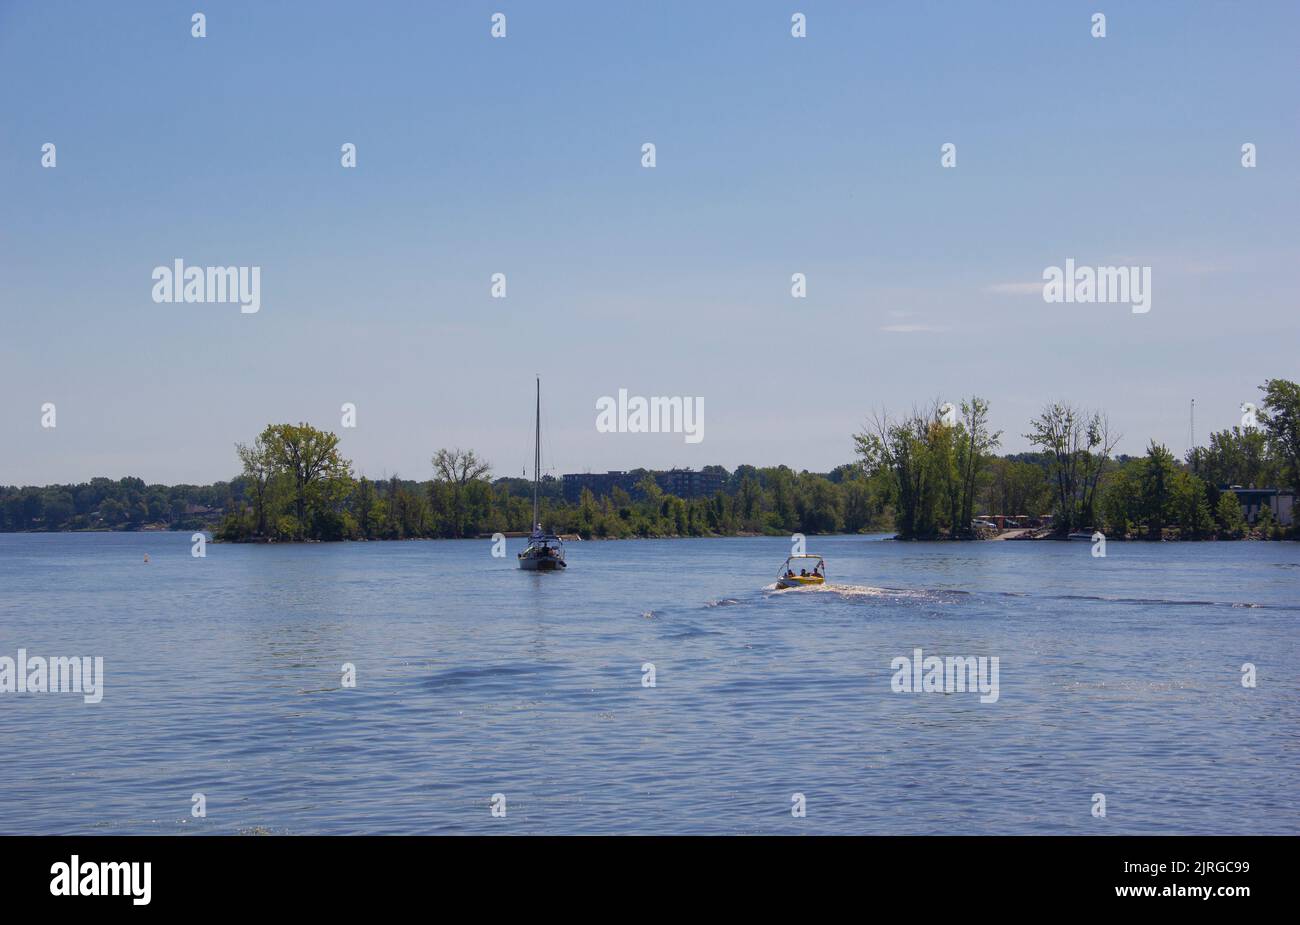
point(1119, 676)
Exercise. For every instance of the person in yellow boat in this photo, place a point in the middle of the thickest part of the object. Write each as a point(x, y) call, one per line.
point(803, 573)
point(789, 573)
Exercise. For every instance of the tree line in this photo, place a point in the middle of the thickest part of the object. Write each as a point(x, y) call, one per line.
point(112, 504)
point(927, 475)
point(295, 485)
point(937, 467)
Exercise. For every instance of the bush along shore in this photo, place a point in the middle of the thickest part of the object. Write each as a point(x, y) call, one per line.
point(932, 474)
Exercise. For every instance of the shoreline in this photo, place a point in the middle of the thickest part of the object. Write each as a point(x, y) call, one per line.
point(1020, 536)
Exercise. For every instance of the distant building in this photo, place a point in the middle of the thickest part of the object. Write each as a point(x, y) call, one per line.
point(684, 483)
point(687, 483)
point(1254, 500)
point(600, 484)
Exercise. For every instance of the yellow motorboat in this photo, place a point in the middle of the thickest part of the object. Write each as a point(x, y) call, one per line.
point(802, 578)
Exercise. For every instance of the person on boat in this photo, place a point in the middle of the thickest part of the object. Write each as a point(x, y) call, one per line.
point(803, 573)
point(817, 571)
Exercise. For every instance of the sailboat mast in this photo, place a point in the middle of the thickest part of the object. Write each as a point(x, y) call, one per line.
point(537, 450)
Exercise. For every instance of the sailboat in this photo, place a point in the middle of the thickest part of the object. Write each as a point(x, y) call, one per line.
point(545, 551)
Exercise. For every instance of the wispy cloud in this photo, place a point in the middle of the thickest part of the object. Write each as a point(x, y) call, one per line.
point(916, 328)
point(1035, 288)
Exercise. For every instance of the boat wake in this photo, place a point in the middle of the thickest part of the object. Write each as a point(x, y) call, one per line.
point(864, 591)
point(901, 594)
point(1170, 602)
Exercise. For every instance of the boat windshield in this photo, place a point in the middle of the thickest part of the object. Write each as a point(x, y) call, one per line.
point(804, 565)
point(544, 544)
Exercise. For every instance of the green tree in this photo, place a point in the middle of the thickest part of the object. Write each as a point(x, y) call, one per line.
point(1231, 519)
point(1016, 487)
point(779, 482)
point(976, 443)
point(1235, 457)
point(112, 512)
point(57, 508)
point(749, 501)
point(366, 499)
point(588, 513)
point(310, 457)
point(1191, 507)
point(1078, 447)
point(863, 504)
point(1121, 499)
point(913, 457)
point(817, 504)
point(1280, 418)
point(1157, 488)
point(461, 475)
point(259, 469)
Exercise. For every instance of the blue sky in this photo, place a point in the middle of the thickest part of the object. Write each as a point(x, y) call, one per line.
point(522, 155)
